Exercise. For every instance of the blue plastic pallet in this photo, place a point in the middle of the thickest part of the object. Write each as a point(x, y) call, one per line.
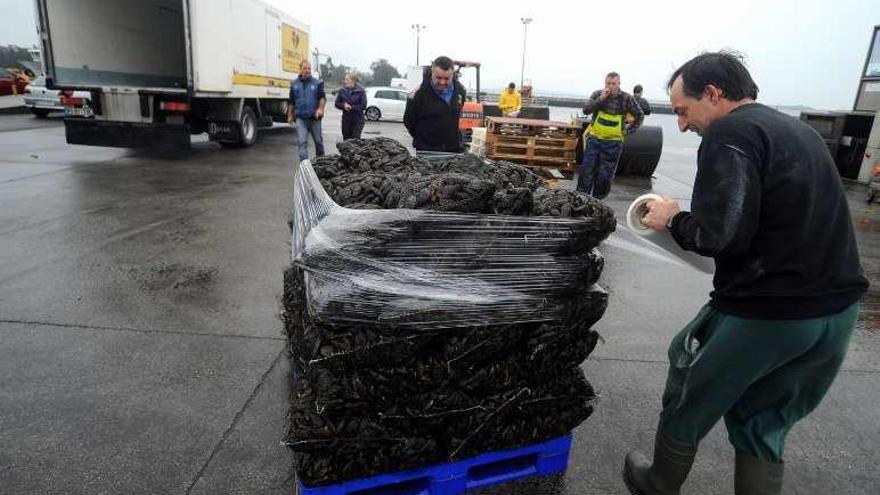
point(453, 478)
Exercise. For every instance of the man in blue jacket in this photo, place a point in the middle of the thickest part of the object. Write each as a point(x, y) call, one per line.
point(769, 206)
point(307, 100)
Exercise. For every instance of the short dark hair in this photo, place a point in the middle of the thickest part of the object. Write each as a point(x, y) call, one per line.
point(724, 70)
point(638, 88)
point(442, 62)
point(612, 75)
point(511, 86)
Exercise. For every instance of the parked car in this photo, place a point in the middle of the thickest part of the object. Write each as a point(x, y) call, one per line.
point(385, 103)
point(11, 84)
point(42, 100)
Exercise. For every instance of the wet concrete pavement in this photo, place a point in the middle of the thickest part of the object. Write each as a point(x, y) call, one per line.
point(141, 350)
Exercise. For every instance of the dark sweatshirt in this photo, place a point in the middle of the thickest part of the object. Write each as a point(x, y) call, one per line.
point(768, 204)
point(354, 96)
point(433, 123)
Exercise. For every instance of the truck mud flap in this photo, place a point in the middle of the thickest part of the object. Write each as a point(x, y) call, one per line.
point(224, 131)
point(127, 134)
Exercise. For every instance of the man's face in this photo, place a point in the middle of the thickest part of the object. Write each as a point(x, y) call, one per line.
point(612, 84)
point(694, 114)
point(441, 79)
point(305, 70)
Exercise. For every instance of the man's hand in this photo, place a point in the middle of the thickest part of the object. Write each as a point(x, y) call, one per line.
point(289, 116)
point(605, 94)
point(347, 106)
point(660, 212)
point(319, 114)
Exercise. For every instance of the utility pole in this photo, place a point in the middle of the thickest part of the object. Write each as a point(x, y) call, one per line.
point(525, 22)
point(418, 28)
point(316, 69)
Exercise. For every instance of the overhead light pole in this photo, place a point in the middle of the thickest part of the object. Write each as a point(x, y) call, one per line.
point(418, 28)
point(316, 69)
point(525, 22)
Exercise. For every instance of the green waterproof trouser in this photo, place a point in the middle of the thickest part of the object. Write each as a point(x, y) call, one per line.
point(762, 376)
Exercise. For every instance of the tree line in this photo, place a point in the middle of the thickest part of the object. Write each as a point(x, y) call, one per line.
point(380, 74)
point(11, 54)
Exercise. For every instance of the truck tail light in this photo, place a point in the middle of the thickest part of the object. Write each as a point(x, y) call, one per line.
point(69, 101)
point(174, 106)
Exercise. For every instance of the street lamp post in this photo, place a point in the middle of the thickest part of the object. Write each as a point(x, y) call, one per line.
point(418, 29)
point(525, 22)
point(317, 67)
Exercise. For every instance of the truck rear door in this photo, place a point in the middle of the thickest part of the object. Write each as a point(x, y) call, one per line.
point(107, 43)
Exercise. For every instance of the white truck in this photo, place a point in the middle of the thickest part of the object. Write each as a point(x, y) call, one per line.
point(161, 70)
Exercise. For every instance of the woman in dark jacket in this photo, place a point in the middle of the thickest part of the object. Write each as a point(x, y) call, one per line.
point(352, 100)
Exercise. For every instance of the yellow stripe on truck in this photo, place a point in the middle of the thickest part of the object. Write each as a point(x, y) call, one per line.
point(255, 80)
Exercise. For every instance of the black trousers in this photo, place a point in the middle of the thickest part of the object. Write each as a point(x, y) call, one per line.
point(351, 128)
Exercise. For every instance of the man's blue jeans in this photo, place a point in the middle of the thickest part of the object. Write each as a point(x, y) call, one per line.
point(598, 166)
point(304, 127)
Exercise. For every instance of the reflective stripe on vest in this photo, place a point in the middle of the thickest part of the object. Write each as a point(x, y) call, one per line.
point(607, 126)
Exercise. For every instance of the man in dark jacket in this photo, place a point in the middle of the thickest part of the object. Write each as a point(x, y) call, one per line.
point(432, 112)
point(643, 103)
point(769, 206)
point(352, 100)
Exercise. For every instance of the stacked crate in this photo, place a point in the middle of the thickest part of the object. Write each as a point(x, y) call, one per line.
point(534, 143)
point(436, 351)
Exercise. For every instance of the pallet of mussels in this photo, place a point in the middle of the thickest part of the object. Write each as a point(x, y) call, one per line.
point(534, 143)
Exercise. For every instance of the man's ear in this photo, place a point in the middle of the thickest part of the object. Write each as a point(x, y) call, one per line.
point(713, 93)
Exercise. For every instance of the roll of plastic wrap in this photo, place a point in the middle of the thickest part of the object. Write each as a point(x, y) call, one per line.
point(662, 238)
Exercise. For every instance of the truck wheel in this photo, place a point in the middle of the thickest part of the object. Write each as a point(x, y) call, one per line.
point(41, 113)
point(247, 128)
point(372, 114)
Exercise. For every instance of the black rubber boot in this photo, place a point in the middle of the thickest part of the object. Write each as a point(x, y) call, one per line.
point(756, 477)
point(672, 463)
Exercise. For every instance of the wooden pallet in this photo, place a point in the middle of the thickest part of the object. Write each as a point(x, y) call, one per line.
point(496, 150)
point(529, 127)
point(536, 142)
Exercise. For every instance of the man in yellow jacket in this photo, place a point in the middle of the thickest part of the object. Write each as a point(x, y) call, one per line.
point(510, 102)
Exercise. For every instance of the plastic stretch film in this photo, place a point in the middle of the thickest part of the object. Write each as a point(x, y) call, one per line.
point(428, 269)
point(662, 238)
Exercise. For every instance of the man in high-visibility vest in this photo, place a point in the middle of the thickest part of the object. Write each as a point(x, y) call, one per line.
point(605, 135)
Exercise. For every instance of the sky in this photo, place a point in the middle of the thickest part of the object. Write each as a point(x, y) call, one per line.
point(806, 52)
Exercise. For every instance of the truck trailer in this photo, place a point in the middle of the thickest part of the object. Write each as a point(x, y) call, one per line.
point(162, 70)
